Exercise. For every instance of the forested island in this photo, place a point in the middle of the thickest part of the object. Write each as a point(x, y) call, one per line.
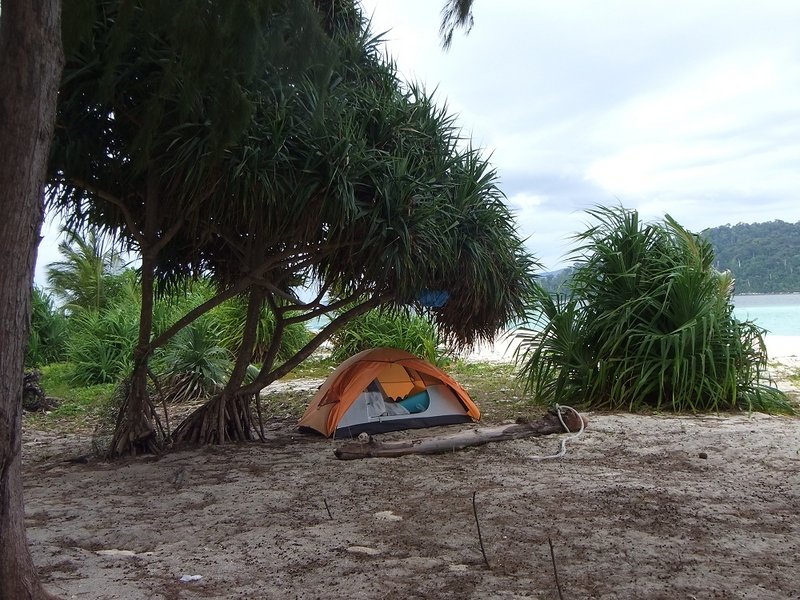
point(764, 258)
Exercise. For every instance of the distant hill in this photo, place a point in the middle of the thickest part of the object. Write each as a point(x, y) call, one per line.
point(555, 281)
point(764, 258)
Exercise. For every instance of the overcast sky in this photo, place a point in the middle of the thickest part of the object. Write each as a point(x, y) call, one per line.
point(690, 108)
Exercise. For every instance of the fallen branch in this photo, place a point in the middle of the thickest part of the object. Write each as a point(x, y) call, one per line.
point(547, 425)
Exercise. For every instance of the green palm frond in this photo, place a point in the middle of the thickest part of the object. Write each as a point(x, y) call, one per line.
point(86, 276)
point(194, 365)
point(49, 331)
point(100, 345)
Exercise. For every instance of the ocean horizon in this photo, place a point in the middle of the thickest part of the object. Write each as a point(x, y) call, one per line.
point(779, 314)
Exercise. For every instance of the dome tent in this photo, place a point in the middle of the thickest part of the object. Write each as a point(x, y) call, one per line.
point(386, 389)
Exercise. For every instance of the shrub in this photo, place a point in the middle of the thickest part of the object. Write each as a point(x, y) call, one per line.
point(194, 364)
point(647, 322)
point(175, 301)
point(101, 344)
point(409, 332)
point(48, 336)
point(229, 318)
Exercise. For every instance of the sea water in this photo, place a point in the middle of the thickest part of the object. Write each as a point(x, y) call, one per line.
point(779, 314)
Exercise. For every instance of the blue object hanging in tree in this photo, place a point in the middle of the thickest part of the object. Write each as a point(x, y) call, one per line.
point(433, 298)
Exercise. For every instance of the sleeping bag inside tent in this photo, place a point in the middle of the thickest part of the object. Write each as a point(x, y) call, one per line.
point(386, 389)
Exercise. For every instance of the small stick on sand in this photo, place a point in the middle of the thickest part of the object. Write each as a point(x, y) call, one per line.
point(325, 501)
point(555, 571)
point(478, 525)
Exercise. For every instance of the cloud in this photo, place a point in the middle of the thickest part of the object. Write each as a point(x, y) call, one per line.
point(48, 250)
point(549, 210)
point(690, 108)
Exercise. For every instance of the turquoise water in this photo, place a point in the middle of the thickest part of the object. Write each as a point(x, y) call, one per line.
point(779, 314)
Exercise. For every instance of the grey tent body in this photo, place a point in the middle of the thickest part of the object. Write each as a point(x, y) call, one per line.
point(372, 413)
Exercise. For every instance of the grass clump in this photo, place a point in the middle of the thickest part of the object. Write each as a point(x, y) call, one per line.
point(495, 387)
point(312, 368)
point(377, 328)
point(75, 403)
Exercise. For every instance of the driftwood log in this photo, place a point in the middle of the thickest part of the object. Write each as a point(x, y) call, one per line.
point(547, 425)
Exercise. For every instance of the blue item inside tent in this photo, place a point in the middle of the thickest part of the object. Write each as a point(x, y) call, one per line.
point(417, 403)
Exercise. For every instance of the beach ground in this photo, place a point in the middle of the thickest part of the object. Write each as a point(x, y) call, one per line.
point(651, 506)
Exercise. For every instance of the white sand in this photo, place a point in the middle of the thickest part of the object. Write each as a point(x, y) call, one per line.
point(640, 507)
point(783, 349)
point(501, 350)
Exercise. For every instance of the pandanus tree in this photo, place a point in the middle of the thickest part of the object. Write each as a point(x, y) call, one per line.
point(455, 14)
point(151, 96)
point(647, 322)
point(398, 207)
point(330, 174)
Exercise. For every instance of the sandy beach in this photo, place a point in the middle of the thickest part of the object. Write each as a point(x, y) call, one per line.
point(783, 349)
point(641, 506)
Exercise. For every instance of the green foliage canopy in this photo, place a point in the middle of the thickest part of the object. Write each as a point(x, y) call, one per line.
point(279, 170)
point(269, 145)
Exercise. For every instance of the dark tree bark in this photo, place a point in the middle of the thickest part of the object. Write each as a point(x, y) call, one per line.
point(31, 60)
point(228, 416)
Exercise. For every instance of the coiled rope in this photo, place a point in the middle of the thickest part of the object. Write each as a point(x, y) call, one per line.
point(564, 441)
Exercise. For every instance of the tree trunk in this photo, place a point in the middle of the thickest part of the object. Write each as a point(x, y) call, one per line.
point(227, 416)
point(135, 430)
point(547, 425)
point(267, 374)
point(224, 418)
point(30, 69)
